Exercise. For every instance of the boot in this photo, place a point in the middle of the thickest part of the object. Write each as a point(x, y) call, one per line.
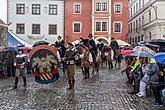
point(70, 84)
point(24, 81)
point(16, 82)
point(73, 83)
point(87, 75)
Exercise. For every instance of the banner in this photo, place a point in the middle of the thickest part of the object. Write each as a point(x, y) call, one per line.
point(45, 65)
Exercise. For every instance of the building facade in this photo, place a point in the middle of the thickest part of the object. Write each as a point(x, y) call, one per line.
point(78, 20)
point(35, 20)
point(3, 34)
point(110, 19)
point(146, 20)
point(103, 18)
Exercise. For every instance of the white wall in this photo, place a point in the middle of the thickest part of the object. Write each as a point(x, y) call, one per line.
point(43, 19)
point(149, 26)
point(3, 10)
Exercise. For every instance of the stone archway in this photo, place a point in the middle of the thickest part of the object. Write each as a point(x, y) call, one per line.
point(104, 39)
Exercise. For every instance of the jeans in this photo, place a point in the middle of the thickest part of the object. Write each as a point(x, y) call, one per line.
point(156, 88)
point(163, 93)
point(142, 89)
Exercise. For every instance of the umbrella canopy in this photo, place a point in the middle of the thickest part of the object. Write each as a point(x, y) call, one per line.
point(158, 41)
point(141, 54)
point(126, 52)
point(160, 57)
point(9, 49)
point(40, 43)
point(143, 48)
point(120, 42)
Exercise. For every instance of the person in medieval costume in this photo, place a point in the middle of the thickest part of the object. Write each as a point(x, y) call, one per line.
point(114, 46)
point(93, 49)
point(110, 58)
point(86, 62)
point(20, 64)
point(69, 59)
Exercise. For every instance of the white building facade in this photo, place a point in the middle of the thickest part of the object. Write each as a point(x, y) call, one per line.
point(36, 20)
point(146, 20)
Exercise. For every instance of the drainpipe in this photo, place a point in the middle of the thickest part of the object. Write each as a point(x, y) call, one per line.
point(64, 22)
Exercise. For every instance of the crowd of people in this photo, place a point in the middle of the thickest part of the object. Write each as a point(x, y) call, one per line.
point(146, 77)
point(141, 72)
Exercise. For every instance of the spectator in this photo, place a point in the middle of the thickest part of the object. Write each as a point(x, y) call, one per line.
point(150, 76)
point(158, 86)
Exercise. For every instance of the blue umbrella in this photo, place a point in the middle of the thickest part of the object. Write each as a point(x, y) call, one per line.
point(160, 57)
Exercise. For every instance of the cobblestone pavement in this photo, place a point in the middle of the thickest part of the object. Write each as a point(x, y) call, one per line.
point(105, 90)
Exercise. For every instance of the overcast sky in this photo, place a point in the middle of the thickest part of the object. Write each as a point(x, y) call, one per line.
point(3, 10)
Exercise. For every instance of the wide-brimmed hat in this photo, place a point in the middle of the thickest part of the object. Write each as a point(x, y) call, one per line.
point(90, 35)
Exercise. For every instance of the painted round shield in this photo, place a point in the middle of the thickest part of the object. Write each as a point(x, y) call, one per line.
point(45, 65)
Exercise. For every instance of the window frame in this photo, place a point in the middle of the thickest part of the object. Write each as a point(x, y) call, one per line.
point(54, 8)
point(20, 7)
point(17, 28)
point(101, 26)
point(74, 8)
point(119, 22)
point(104, 6)
point(99, 6)
point(39, 29)
point(96, 26)
point(36, 9)
point(117, 8)
point(50, 29)
point(76, 22)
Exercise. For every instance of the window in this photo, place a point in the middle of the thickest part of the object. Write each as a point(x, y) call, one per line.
point(135, 39)
point(52, 9)
point(117, 8)
point(150, 35)
point(36, 9)
point(142, 37)
point(20, 29)
point(117, 27)
point(131, 27)
point(101, 26)
point(138, 38)
point(136, 6)
point(20, 8)
point(134, 9)
point(77, 27)
point(104, 26)
point(149, 16)
point(139, 22)
point(98, 6)
point(104, 6)
point(139, 4)
point(136, 25)
point(52, 29)
point(77, 8)
point(98, 26)
point(35, 28)
point(142, 20)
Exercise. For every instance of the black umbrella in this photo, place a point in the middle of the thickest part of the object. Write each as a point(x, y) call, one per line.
point(9, 49)
point(158, 41)
point(40, 43)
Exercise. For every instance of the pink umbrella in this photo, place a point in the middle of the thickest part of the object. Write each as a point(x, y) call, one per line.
point(126, 52)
